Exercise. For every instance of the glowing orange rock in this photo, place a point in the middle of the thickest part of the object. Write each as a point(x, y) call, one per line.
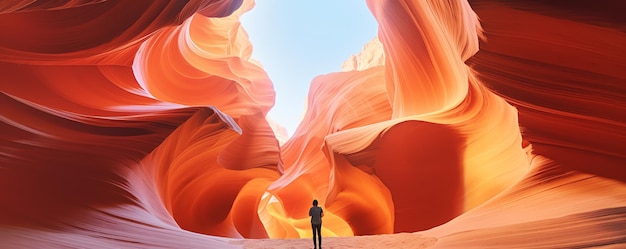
point(430, 83)
point(204, 61)
point(78, 122)
point(307, 172)
point(204, 190)
point(562, 70)
point(571, 108)
point(136, 124)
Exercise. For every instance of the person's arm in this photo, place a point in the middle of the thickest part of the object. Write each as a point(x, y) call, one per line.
point(321, 212)
point(310, 209)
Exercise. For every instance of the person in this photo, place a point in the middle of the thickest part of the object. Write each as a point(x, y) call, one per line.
point(316, 214)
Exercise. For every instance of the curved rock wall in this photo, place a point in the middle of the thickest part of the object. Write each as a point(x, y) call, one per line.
point(480, 124)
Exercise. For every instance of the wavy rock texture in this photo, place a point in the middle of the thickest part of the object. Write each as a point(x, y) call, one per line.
point(148, 129)
point(561, 65)
point(106, 137)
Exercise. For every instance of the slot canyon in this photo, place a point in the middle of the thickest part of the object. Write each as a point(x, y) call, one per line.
point(462, 124)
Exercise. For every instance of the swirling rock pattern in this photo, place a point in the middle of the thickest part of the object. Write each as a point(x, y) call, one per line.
point(476, 124)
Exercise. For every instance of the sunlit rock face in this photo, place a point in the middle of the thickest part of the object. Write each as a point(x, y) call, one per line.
point(135, 124)
point(123, 125)
point(562, 66)
point(565, 74)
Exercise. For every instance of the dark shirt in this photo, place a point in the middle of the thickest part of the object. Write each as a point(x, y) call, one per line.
point(316, 215)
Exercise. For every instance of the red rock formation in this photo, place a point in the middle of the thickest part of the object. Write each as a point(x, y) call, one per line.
point(471, 147)
point(336, 102)
point(85, 122)
point(148, 128)
point(565, 73)
point(561, 64)
point(200, 183)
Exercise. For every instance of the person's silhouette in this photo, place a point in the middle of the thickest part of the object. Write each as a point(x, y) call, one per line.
point(316, 214)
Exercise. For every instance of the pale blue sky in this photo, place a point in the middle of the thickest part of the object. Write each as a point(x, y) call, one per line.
point(296, 40)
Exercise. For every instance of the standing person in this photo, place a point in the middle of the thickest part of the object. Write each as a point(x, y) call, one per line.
point(316, 214)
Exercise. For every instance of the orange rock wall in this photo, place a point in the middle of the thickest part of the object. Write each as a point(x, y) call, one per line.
point(479, 123)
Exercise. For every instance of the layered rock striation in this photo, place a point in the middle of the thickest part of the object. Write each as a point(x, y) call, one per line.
point(477, 124)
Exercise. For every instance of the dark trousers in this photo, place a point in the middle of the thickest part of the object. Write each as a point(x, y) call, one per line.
point(317, 231)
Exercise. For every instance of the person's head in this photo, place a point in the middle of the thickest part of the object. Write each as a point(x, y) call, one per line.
point(315, 203)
